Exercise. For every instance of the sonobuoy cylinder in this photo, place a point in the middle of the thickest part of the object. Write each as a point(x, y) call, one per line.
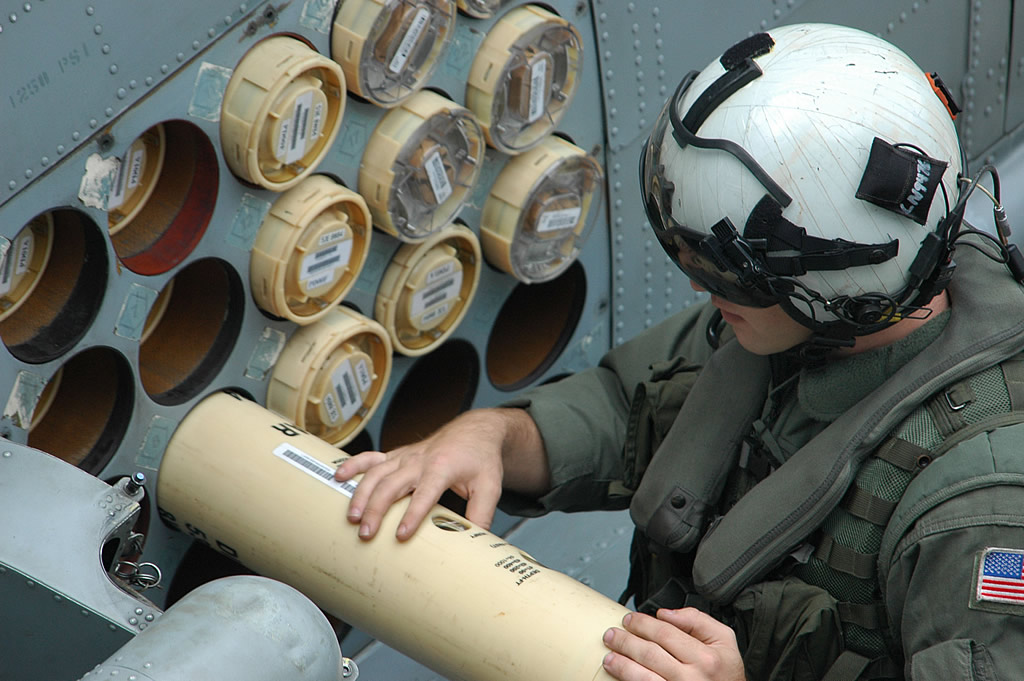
point(454, 597)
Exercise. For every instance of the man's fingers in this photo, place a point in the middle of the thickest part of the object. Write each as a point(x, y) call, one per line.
point(424, 497)
point(388, 489)
point(360, 463)
point(482, 503)
point(699, 625)
point(634, 658)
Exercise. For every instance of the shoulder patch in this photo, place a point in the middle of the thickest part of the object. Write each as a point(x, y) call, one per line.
point(999, 579)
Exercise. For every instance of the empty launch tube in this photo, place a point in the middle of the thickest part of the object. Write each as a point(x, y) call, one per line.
point(454, 597)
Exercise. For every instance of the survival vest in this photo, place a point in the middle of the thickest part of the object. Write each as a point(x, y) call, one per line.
point(851, 475)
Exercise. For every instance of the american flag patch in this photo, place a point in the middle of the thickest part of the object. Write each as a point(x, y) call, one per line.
point(1001, 576)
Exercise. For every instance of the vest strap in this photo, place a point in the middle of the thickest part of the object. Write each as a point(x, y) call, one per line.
point(866, 506)
point(845, 559)
point(945, 408)
point(864, 615)
point(1013, 374)
point(847, 667)
point(903, 454)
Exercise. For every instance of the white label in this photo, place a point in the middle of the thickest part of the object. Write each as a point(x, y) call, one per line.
point(138, 160)
point(346, 390)
point(332, 408)
point(538, 80)
point(364, 375)
point(409, 40)
point(552, 220)
point(311, 466)
point(440, 272)
point(431, 296)
point(24, 253)
point(294, 133)
point(436, 314)
point(318, 121)
point(439, 183)
point(7, 270)
point(324, 262)
point(331, 237)
point(129, 172)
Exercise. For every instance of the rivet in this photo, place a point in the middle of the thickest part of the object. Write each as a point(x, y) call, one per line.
point(97, 29)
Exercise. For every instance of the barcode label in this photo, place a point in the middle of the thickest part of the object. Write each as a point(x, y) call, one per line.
point(558, 219)
point(291, 140)
point(436, 294)
point(437, 176)
point(345, 389)
point(538, 97)
point(314, 467)
point(129, 172)
point(409, 40)
point(325, 261)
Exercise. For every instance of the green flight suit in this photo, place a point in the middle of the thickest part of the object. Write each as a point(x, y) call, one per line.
point(601, 427)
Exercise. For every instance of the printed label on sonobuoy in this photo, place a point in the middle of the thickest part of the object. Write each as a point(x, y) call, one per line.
point(321, 266)
point(314, 467)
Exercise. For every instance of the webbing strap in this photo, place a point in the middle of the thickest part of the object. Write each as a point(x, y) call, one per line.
point(865, 615)
point(1013, 374)
point(845, 559)
point(946, 408)
point(865, 505)
point(847, 667)
point(903, 454)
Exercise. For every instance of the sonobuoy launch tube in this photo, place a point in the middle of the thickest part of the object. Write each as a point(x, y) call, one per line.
point(454, 597)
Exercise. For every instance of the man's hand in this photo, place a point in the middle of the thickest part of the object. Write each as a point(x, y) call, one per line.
point(468, 456)
point(679, 645)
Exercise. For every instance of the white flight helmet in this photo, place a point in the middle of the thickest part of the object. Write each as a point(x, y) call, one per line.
point(809, 166)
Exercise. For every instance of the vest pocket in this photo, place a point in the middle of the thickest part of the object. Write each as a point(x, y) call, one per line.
point(957, 659)
point(653, 409)
point(787, 630)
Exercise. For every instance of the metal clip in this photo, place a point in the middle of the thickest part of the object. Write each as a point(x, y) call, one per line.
point(141, 576)
point(949, 402)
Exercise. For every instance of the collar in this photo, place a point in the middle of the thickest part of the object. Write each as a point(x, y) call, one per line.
point(827, 390)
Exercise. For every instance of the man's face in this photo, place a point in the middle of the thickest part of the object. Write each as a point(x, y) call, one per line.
point(760, 330)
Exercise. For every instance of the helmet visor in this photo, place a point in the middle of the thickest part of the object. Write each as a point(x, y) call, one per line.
point(696, 254)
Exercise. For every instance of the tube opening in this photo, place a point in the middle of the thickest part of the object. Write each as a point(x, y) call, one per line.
point(195, 332)
point(88, 411)
point(67, 293)
point(161, 219)
point(438, 387)
point(533, 328)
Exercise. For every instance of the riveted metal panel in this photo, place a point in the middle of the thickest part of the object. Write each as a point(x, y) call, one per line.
point(985, 85)
point(72, 66)
point(1015, 74)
